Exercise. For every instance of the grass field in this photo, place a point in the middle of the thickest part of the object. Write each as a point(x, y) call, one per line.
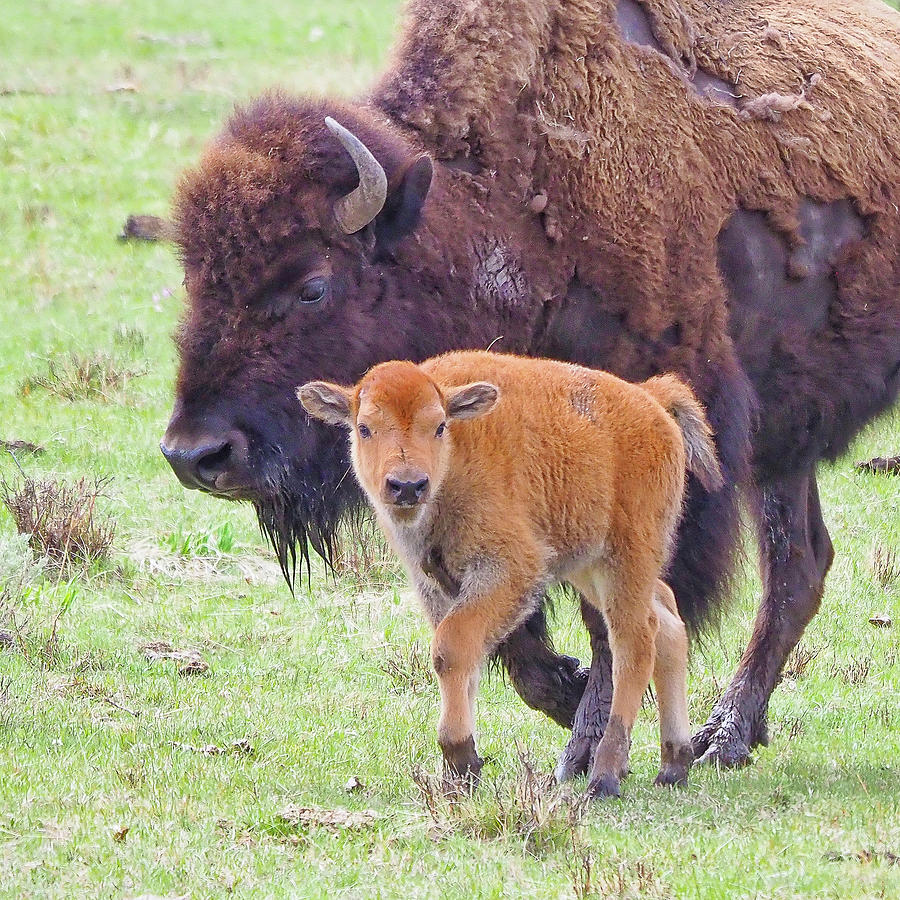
point(121, 777)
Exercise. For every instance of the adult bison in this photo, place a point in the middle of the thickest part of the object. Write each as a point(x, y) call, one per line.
point(704, 187)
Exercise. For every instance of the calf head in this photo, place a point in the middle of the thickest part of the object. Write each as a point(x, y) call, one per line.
point(401, 442)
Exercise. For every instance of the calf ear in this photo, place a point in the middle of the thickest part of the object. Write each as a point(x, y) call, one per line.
point(471, 400)
point(327, 402)
point(403, 206)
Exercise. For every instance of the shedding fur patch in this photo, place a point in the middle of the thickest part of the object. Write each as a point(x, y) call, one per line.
point(582, 400)
point(711, 87)
point(636, 27)
point(499, 278)
point(634, 23)
point(772, 106)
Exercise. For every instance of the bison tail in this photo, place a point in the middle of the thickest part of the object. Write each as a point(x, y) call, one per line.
point(679, 402)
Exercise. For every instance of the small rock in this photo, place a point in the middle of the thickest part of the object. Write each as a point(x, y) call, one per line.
point(147, 228)
point(195, 665)
point(18, 446)
point(353, 784)
point(334, 819)
point(188, 662)
point(883, 620)
point(120, 834)
point(880, 465)
point(122, 87)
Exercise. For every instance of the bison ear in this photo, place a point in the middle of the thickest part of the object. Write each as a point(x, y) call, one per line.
point(472, 400)
point(327, 402)
point(403, 206)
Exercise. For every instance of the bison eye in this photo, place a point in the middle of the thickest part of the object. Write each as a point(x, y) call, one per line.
point(314, 290)
point(440, 429)
point(364, 430)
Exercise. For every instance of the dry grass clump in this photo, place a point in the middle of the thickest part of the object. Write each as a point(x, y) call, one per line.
point(61, 520)
point(409, 669)
point(529, 806)
point(74, 376)
point(362, 555)
point(799, 661)
point(886, 565)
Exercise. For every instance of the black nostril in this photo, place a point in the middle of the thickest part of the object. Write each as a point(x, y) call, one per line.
point(212, 462)
point(407, 492)
point(215, 458)
point(199, 465)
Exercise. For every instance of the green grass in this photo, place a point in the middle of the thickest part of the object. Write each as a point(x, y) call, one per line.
point(332, 684)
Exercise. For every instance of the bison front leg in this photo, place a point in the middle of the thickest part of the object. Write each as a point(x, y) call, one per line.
point(548, 682)
point(796, 554)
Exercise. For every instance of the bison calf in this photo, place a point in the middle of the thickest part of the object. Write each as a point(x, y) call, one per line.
point(495, 476)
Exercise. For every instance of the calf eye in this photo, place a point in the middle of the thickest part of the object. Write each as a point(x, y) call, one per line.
point(313, 290)
point(364, 431)
point(440, 429)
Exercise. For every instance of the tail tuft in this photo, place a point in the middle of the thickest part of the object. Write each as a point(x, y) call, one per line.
point(679, 401)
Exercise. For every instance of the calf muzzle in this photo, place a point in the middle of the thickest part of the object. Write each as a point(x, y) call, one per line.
point(406, 491)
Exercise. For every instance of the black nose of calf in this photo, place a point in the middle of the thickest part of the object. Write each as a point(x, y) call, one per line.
point(206, 463)
point(406, 493)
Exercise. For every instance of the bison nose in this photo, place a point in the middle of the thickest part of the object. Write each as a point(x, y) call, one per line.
point(206, 463)
point(406, 493)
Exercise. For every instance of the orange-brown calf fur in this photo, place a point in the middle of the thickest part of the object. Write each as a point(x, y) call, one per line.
point(494, 476)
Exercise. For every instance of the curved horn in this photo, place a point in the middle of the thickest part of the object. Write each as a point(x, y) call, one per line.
point(364, 202)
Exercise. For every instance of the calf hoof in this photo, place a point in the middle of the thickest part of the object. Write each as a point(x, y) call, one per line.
point(462, 766)
point(603, 786)
point(672, 776)
point(676, 763)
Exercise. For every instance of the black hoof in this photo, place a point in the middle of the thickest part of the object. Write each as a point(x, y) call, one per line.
point(575, 760)
point(727, 739)
point(604, 786)
point(675, 764)
point(724, 748)
point(672, 776)
point(462, 765)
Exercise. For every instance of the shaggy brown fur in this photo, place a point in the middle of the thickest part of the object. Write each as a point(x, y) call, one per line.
point(516, 473)
point(704, 187)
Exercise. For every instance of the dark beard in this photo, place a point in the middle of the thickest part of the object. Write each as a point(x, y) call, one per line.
point(303, 509)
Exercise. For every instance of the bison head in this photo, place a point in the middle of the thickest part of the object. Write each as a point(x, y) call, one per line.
point(289, 231)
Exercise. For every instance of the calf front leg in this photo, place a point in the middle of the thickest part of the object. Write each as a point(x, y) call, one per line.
point(458, 650)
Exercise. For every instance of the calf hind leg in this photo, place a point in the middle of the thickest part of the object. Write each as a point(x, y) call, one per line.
point(670, 678)
point(796, 554)
point(632, 623)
